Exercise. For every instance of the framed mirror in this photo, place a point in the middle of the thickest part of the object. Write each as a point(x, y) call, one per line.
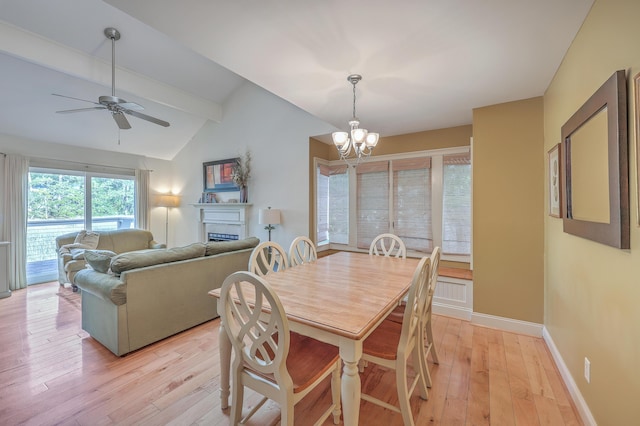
point(595, 172)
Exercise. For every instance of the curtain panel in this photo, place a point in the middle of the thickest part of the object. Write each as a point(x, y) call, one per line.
point(14, 217)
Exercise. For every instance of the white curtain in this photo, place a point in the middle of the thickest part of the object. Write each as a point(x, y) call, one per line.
point(143, 218)
point(14, 215)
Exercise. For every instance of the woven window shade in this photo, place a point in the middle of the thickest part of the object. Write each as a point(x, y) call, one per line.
point(373, 201)
point(412, 207)
point(456, 215)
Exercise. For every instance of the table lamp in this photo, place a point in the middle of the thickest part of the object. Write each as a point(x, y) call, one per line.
point(269, 217)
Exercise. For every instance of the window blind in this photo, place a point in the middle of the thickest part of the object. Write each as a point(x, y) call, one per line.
point(456, 186)
point(372, 201)
point(412, 203)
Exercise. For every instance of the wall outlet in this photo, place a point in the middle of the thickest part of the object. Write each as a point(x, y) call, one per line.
point(587, 370)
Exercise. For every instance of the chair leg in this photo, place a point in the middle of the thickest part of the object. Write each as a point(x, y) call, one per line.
point(403, 394)
point(237, 400)
point(335, 393)
point(431, 343)
point(419, 366)
point(286, 412)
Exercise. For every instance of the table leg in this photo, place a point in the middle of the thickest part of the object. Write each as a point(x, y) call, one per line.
point(225, 366)
point(350, 352)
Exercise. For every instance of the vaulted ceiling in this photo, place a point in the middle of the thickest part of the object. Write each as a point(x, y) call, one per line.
point(425, 63)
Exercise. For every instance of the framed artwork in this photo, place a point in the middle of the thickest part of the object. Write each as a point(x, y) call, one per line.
point(555, 188)
point(636, 86)
point(217, 175)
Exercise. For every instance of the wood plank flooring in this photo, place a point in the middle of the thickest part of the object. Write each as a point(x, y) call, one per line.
point(53, 373)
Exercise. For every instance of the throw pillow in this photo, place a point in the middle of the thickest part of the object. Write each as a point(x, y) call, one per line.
point(88, 239)
point(99, 260)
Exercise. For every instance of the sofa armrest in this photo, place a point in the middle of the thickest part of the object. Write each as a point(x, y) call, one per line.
point(156, 245)
point(104, 286)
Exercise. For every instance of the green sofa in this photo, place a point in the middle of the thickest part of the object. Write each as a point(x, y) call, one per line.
point(149, 295)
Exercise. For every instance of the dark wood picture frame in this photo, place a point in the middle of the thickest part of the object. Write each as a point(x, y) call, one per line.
point(554, 160)
point(216, 175)
point(636, 84)
point(612, 95)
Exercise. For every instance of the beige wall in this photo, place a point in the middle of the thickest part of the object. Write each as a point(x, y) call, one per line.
point(508, 210)
point(592, 291)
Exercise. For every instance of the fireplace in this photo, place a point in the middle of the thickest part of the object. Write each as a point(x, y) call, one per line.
point(223, 221)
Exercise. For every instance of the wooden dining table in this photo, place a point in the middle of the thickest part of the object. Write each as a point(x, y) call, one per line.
point(339, 299)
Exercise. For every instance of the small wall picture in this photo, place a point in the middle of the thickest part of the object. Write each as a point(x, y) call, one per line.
point(555, 187)
point(217, 175)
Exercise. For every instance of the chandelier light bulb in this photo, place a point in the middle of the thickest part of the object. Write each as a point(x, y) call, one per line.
point(372, 140)
point(358, 135)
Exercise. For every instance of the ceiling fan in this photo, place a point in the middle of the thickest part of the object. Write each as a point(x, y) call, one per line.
point(116, 106)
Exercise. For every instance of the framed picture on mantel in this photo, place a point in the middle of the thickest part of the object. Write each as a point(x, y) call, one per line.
point(217, 175)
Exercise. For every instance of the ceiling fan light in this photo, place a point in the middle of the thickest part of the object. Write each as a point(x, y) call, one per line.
point(359, 135)
point(372, 140)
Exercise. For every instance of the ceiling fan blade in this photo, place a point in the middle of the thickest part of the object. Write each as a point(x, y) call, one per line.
point(121, 120)
point(147, 117)
point(67, 111)
point(131, 105)
point(77, 99)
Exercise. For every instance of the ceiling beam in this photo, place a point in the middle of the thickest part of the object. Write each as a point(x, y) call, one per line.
point(41, 51)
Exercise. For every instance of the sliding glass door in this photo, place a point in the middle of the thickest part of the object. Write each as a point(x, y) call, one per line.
point(62, 201)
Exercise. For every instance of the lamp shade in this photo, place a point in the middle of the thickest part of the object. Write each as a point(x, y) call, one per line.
point(167, 200)
point(269, 216)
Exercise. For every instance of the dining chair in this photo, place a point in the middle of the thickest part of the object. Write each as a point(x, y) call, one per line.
point(268, 257)
point(398, 315)
point(392, 343)
point(388, 245)
point(302, 250)
point(268, 359)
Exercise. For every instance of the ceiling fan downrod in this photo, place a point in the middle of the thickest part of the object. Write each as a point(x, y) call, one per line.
point(113, 35)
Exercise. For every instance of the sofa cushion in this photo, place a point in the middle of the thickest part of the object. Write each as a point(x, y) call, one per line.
point(89, 239)
point(217, 247)
point(141, 258)
point(99, 260)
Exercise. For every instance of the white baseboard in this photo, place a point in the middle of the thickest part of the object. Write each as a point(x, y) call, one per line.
point(575, 393)
point(452, 311)
point(507, 324)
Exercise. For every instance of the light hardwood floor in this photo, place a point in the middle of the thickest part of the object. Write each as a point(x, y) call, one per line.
point(52, 372)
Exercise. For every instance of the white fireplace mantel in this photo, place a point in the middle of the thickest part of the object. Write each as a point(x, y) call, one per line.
point(223, 218)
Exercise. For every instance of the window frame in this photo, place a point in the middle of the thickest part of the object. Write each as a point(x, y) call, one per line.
point(437, 174)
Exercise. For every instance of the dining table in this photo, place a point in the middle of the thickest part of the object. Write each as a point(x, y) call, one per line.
point(338, 299)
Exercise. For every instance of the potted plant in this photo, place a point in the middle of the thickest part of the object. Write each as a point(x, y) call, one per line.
point(241, 173)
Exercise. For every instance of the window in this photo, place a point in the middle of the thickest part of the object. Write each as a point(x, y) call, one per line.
point(456, 201)
point(332, 204)
point(424, 198)
point(62, 201)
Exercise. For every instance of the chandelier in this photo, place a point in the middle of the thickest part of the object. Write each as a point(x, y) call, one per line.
point(360, 141)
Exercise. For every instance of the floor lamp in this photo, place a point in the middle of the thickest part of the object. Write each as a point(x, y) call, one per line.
point(167, 201)
point(269, 217)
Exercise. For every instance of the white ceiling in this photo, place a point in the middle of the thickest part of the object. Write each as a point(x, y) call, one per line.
point(425, 63)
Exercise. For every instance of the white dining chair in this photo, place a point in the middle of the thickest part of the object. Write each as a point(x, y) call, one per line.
point(302, 250)
point(397, 315)
point(388, 245)
point(392, 343)
point(280, 365)
point(268, 257)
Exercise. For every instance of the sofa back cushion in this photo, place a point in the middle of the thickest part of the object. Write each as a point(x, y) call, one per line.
point(141, 258)
point(217, 247)
point(125, 240)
